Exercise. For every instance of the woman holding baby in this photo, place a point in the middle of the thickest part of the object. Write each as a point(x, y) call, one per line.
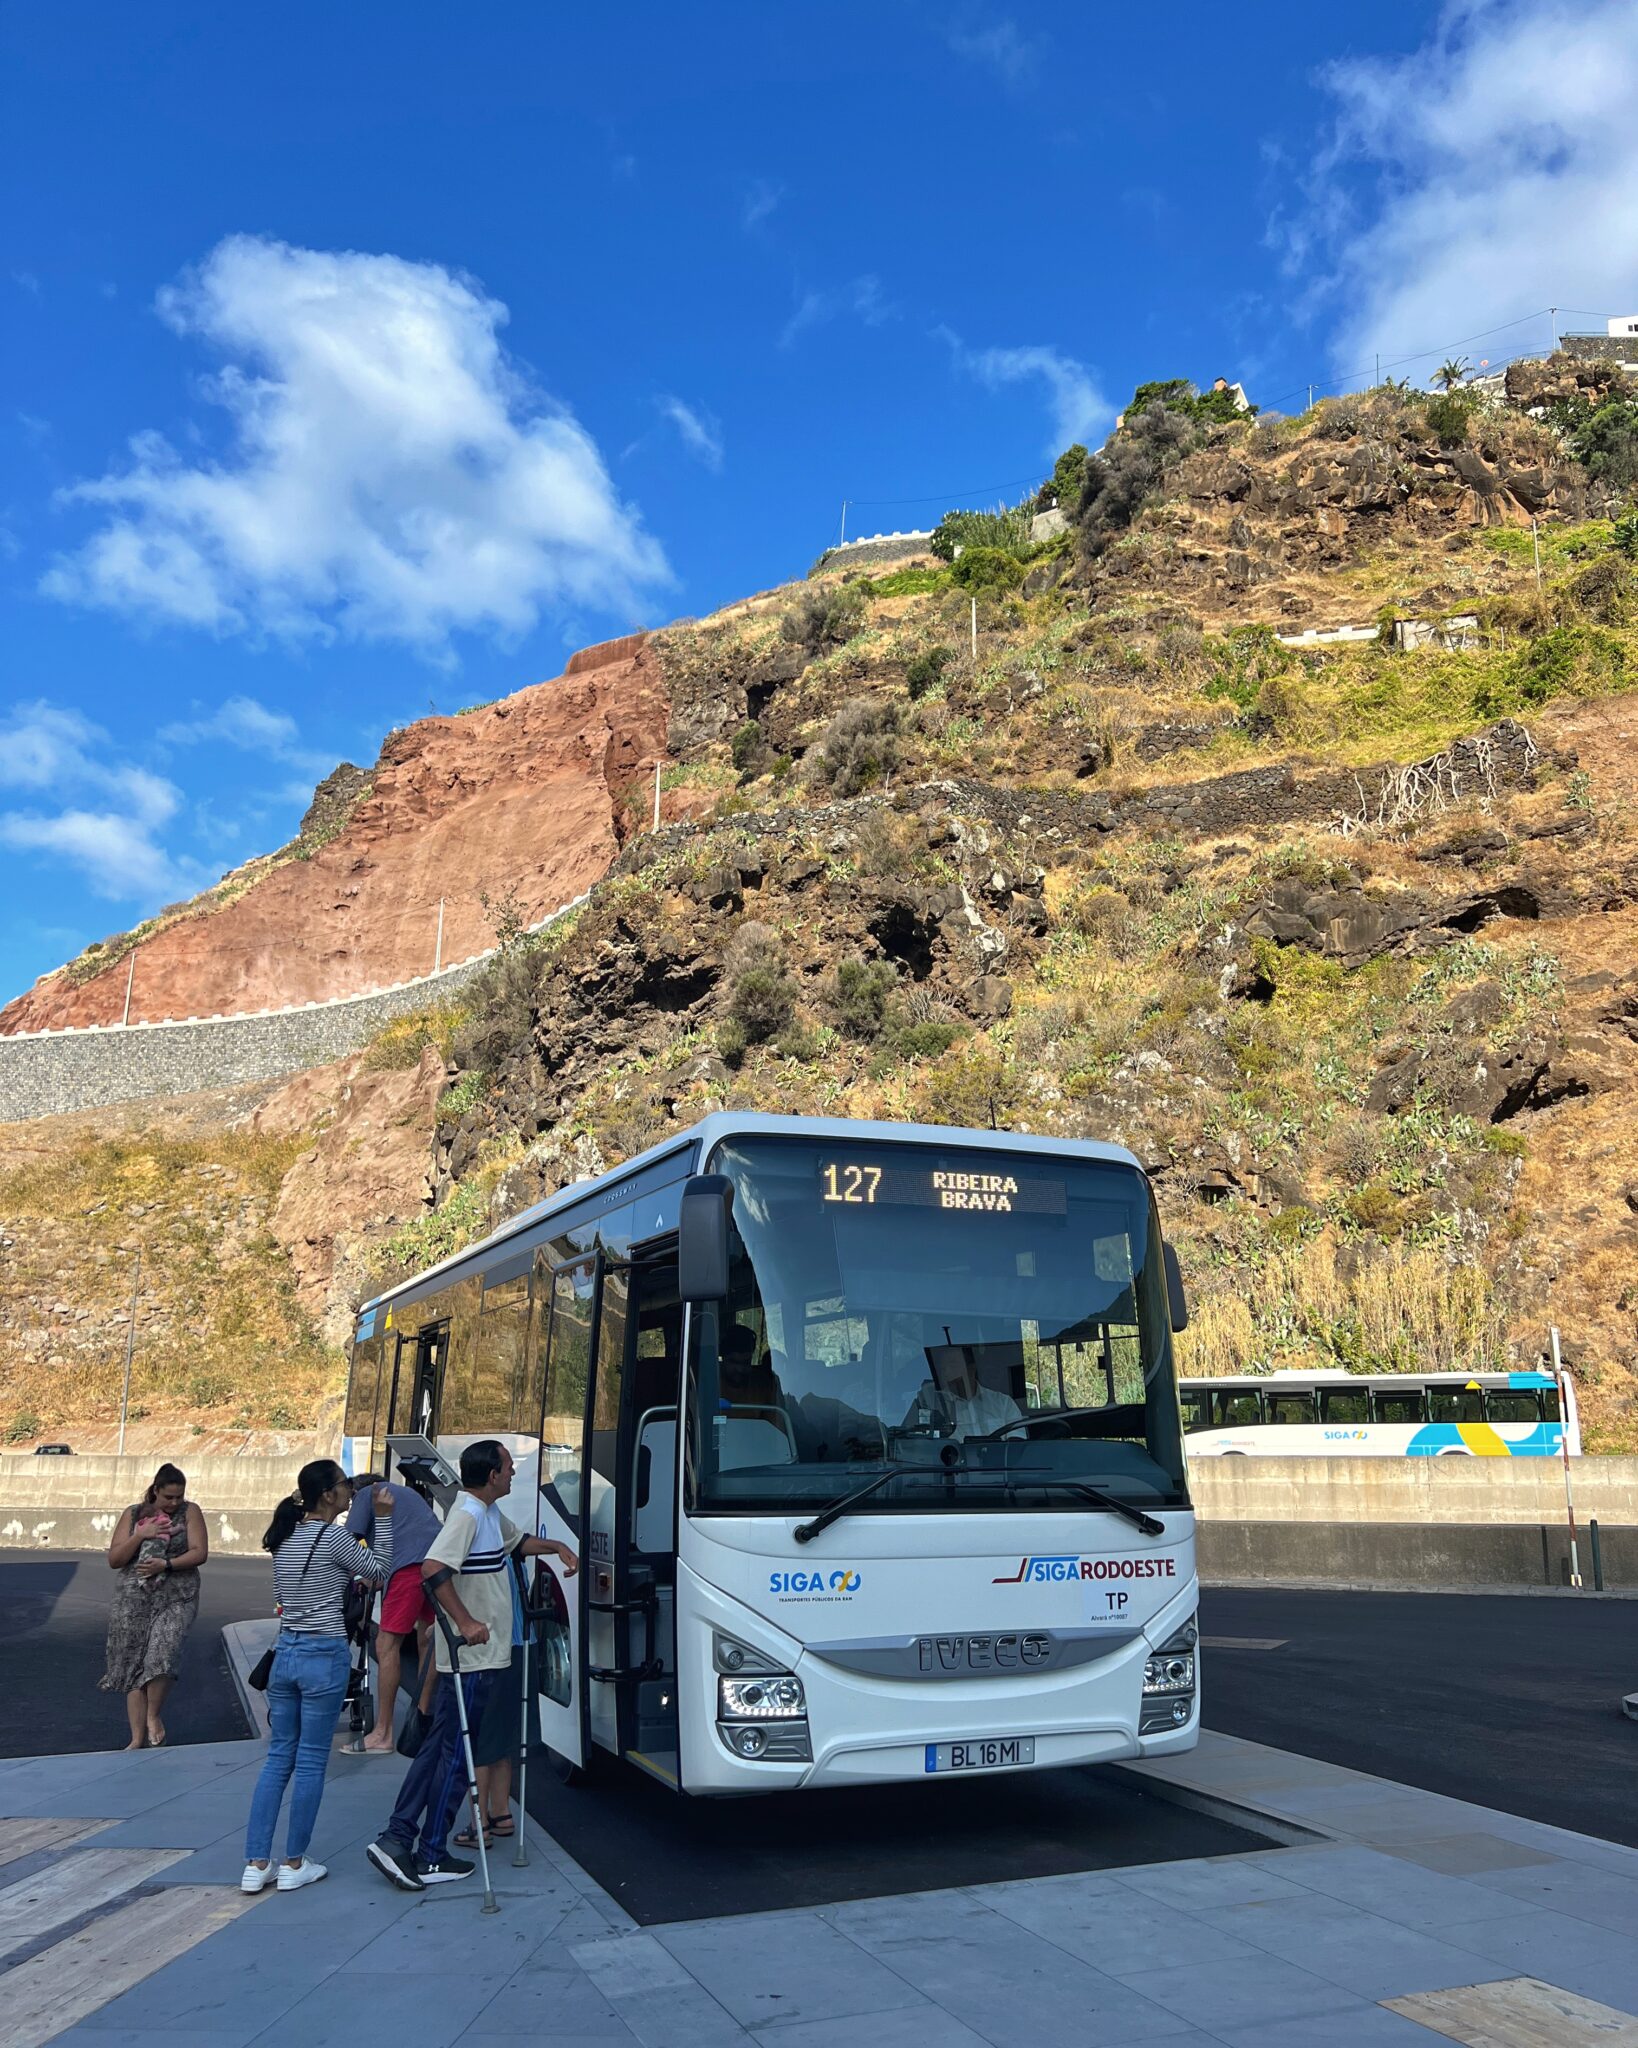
point(157, 1549)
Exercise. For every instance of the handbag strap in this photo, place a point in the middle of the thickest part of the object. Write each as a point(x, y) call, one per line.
point(318, 1538)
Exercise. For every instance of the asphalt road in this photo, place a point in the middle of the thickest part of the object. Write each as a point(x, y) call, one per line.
point(1510, 1701)
point(55, 1631)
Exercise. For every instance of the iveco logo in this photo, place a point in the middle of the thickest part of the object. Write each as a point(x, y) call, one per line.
point(983, 1653)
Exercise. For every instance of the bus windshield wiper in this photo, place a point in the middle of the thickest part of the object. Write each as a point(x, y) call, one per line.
point(806, 1531)
point(1135, 1515)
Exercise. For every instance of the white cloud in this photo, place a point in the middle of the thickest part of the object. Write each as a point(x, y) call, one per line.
point(1079, 410)
point(1002, 47)
point(244, 723)
point(760, 201)
point(392, 475)
point(1489, 173)
point(860, 296)
point(700, 431)
point(98, 815)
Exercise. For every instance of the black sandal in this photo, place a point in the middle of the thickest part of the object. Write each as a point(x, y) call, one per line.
point(468, 1838)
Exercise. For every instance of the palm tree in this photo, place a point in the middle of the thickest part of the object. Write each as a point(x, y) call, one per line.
point(1451, 373)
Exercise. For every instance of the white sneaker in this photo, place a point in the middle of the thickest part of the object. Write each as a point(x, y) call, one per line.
point(257, 1880)
point(308, 1872)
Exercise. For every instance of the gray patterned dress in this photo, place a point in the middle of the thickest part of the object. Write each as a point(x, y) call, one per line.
point(150, 1618)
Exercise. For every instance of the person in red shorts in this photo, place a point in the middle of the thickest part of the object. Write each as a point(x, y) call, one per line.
point(405, 1608)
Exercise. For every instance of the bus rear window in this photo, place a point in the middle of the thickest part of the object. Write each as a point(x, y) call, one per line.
point(1196, 1412)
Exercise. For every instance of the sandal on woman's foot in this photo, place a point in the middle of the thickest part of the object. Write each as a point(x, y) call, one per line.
point(501, 1824)
point(468, 1839)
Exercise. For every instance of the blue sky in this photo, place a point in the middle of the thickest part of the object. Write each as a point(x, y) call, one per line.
point(362, 361)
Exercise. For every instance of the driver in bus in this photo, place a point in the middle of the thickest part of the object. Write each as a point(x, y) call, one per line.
point(955, 1402)
point(745, 1378)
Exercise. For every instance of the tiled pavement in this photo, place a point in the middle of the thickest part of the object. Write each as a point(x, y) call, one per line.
point(1393, 1893)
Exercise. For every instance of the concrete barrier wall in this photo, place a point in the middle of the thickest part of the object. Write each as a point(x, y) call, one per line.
point(73, 1503)
point(1295, 1521)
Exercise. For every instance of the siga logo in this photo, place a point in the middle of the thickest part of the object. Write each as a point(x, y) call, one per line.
point(1042, 1571)
point(837, 1583)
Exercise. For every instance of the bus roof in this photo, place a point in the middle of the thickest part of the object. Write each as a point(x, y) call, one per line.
point(702, 1138)
point(1293, 1377)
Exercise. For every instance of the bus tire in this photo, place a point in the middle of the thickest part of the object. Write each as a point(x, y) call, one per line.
point(1455, 1451)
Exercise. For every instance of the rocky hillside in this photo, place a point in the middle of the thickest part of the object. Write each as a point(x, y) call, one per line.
point(1339, 938)
point(523, 800)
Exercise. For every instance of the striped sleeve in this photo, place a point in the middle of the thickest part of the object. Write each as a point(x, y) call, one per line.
point(373, 1564)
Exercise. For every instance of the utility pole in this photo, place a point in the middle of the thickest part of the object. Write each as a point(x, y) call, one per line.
point(1310, 398)
point(1535, 542)
point(128, 981)
point(130, 1345)
point(1378, 378)
point(843, 541)
point(1552, 314)
point(975, 629)
point(656, 796)
point(438, 949)
point(1564, 1448)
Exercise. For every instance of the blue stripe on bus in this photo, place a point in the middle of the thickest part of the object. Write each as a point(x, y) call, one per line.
point(1541, 1441)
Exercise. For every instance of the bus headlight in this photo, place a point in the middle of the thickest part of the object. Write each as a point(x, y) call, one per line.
point(761, 1699)
point(1168, 1683)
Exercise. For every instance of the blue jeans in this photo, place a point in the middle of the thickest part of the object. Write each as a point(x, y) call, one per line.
point(304, 1698)
point(435, 1783)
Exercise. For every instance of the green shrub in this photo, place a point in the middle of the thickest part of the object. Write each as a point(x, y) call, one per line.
point(462, 1095)
point(1604, 439)
point(1624, 537)
point(926, 672)
point(24, 1425)
point(860, 993)
point(927, 1040)
point(761, 990)
point(915, 580)
point(984, 568)
point(1006, 529)
point(823, 617)
point(1063, 487)
point(1449, 415)
point(860, 746)
point(746, 745)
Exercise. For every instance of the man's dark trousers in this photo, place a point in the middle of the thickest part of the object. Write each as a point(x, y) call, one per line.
point(435, 1783)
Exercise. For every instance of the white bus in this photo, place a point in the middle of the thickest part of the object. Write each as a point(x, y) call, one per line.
point(1350, 1415)
point(867, 1436)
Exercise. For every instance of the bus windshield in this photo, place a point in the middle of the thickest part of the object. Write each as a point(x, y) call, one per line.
point(991, 1324)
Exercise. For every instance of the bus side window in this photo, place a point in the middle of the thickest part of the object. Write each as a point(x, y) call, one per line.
point(1345, 1404)
point(1549, 1403)
point(1236, 1408)
point(568, 1366)
point(1291, 1408)
point(1410, 1406)
point(1196, 1411)
point(1455, 1404)
point(1513, 1404)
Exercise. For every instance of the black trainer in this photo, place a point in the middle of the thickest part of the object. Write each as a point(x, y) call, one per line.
point(444, 1869)
point(395, 1864)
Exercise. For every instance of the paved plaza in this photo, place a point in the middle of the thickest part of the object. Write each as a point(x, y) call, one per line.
point(1383, 1915)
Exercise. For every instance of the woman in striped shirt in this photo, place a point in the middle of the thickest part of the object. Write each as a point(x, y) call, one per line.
point(313, 1563)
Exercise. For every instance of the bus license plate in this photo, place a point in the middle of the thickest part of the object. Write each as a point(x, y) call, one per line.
point(988, 1753)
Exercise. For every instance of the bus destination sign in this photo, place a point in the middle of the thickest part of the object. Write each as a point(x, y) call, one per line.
point(858, 1183)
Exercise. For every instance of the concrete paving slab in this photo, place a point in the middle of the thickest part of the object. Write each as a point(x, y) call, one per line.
point(1251, 1990)
point(785, 1967)
point(907, 2026)
point(1364, 2026)
point(1116, 1932)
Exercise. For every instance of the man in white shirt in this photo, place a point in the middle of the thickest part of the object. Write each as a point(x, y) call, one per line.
point(957, 1401)
point(468, 1572)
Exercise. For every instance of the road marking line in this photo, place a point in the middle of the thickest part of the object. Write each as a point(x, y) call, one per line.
point(1244, 1642)
point(84, 1880)
point(20, 1838)
point(62, 1985)
point(1519, 2012)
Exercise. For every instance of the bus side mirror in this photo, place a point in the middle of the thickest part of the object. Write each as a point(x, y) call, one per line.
point(1176, 1300)
point(702, 1237)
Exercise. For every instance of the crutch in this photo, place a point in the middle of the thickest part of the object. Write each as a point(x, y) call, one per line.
point(362, 1719)
point(453, 1638)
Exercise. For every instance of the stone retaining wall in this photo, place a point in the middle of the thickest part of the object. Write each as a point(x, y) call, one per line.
point(47, 1073)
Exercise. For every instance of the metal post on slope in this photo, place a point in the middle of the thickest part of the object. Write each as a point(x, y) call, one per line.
point(130, 1346)
point(438, 949)
point(656, 796)
point(975, 629)
point(1535, 542)
point(131, 977)
point(1559, 1378)
point(843, 541)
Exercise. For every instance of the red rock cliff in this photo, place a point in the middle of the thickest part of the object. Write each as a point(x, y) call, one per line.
point(521, 795)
